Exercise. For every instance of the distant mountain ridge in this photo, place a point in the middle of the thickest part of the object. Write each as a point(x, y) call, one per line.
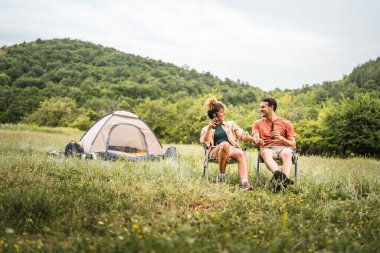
point(87, 72)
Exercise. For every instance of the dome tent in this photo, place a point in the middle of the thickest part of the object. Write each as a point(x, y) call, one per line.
point(122, 134)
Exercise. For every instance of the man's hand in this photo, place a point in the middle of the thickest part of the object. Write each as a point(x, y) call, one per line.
point(258, 141)
point(287, 141)
point(275, 135)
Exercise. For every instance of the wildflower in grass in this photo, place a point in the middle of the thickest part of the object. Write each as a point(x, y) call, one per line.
point(9, 231)
point(125, 230)
point(285, 218)
point(46, 229)
point(261, 232)
point(254, 236)
point(311, 248)
point(64, 245)
point(190, 240)
point(135, 226)
point(40, 244)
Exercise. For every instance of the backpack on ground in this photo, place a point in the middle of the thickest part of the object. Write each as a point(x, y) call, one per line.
point(73, 149)
point(171, 152)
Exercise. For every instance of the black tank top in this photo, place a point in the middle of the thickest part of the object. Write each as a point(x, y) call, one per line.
point(219, 135)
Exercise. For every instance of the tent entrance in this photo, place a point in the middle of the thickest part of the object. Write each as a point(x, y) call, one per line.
point(127, 139)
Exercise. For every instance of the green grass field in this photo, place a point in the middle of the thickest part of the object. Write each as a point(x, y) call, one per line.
point(49, 204)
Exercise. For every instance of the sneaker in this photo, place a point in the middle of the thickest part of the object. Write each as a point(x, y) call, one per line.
point(246, 187)
point(280, 180)
point(276, 185)
point(220, 180)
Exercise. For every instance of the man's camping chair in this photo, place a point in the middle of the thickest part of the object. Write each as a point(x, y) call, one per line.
point(279, 162)
point(208, 160)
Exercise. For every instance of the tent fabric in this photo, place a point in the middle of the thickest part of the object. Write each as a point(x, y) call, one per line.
point(122, 133)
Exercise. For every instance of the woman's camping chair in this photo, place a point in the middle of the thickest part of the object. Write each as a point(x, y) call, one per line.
point(208, 160)
point(279, 162)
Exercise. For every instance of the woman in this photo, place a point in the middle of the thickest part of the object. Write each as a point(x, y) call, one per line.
point(222, 138)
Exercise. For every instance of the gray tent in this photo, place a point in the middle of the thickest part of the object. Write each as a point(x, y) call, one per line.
point(124, 134)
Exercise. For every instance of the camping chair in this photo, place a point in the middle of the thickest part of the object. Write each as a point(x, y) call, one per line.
point(279, 162)
point(208, 160)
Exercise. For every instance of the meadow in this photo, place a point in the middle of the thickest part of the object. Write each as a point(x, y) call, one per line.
point(50, 204)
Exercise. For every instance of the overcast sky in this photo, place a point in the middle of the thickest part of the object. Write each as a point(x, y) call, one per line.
point(268, 44)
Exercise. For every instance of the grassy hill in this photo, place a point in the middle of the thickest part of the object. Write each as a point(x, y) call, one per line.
point(65, 82)
point(50, 204)
point(100, 79)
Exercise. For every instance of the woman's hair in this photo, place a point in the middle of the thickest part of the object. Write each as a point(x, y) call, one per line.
point(212, 106)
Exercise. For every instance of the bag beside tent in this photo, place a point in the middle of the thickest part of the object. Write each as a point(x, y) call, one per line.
point(122, 134)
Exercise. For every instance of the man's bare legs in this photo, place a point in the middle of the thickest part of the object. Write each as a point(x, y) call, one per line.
point(268, 157)
point(286, 157)
point(280, 178)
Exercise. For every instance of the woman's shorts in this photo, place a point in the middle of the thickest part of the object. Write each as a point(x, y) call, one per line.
point(212, 154)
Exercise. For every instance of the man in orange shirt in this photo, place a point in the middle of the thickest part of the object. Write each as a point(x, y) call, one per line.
point(276, 140)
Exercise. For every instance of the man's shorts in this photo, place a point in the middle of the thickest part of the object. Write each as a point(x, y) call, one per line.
point(276, 150)
point(212, 154)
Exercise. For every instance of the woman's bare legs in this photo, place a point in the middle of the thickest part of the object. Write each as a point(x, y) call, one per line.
point(238, 155)
point(222, 151)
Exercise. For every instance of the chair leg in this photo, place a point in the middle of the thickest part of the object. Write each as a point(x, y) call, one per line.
point(205, 171)
point(296, 171)
point(205, 168)
point(257, 168)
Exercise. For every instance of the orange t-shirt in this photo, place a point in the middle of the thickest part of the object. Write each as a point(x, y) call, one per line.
point(264, 128)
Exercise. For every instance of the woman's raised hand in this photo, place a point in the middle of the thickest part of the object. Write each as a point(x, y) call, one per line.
point(212, 123)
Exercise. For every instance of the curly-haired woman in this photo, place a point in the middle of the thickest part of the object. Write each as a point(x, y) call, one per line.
point(222, 138)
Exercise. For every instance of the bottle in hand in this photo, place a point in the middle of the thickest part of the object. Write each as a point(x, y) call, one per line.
point(272, 129)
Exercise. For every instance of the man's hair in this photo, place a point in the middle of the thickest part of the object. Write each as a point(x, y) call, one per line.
point(271, 102)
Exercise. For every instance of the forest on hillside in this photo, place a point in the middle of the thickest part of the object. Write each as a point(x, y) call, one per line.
point(64, 82)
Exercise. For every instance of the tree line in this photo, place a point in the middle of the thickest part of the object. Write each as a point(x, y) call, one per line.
point(65, 82)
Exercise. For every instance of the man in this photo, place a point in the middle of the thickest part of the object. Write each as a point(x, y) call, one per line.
point(276, 138)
